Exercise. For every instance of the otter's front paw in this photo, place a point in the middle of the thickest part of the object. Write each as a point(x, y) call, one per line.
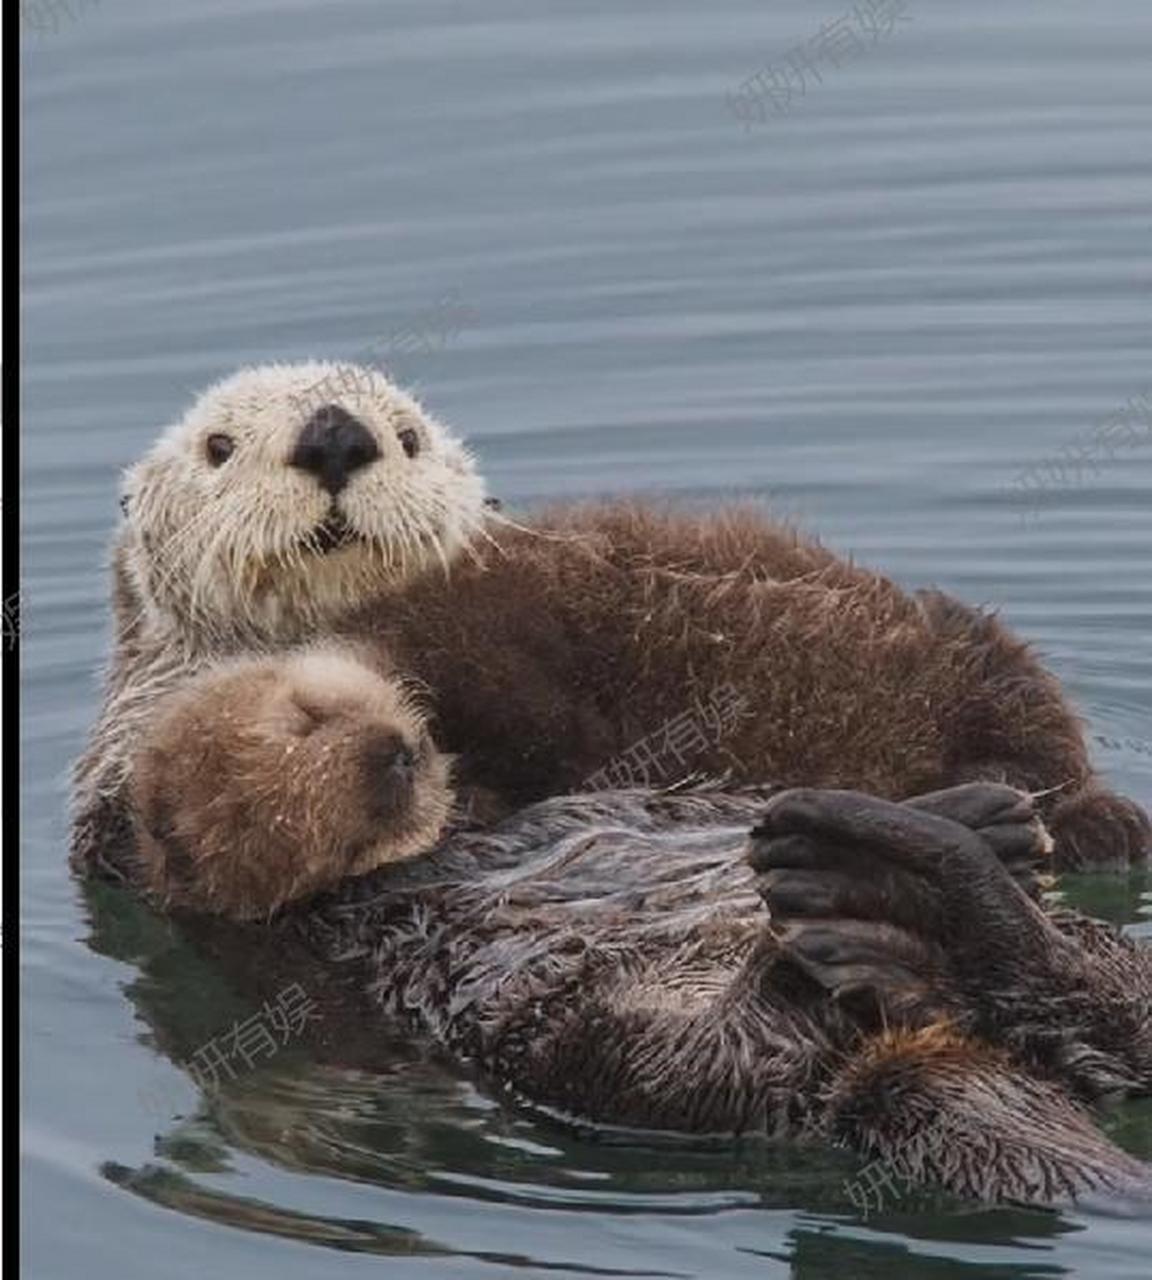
point(271, 779)
point(857, 927)
point(823, 853)
point(1007, 821)
point(876, 973)
point(857, 893)
point(1097, 830)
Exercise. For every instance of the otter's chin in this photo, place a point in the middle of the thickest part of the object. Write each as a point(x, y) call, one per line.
point(333, 533)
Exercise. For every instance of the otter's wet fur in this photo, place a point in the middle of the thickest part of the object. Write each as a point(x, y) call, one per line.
point(609, 958)
point(260, 523)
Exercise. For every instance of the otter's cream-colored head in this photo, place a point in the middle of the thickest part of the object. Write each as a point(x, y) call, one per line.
point(288, 494)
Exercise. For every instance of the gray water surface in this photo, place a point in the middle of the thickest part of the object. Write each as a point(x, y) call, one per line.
point(895, 308)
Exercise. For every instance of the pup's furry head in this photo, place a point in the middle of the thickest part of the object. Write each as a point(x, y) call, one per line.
point(273, 779)
point(288, 494)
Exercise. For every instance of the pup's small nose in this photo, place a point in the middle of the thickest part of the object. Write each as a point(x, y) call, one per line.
point(332, 445)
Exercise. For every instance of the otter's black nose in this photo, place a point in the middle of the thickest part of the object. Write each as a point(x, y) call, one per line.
point(332, 445)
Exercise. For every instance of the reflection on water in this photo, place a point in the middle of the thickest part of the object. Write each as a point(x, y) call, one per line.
point(898, 312)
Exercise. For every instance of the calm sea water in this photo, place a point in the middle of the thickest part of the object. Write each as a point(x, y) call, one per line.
point(921, 278)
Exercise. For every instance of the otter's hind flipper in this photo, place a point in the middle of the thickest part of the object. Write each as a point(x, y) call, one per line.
point(932, 1106)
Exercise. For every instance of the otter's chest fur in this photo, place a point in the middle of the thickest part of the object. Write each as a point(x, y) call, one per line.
point(502, 925)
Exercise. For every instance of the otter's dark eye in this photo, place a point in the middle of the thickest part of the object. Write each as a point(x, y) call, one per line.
point(411, 442)
point(219, 448)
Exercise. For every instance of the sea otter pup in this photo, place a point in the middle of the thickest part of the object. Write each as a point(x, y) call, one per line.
point(292, 506)
point(609, 957)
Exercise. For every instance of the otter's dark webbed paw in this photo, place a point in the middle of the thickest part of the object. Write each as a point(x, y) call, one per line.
point(877, 973)
point(1008, 822)
point(858, 888)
